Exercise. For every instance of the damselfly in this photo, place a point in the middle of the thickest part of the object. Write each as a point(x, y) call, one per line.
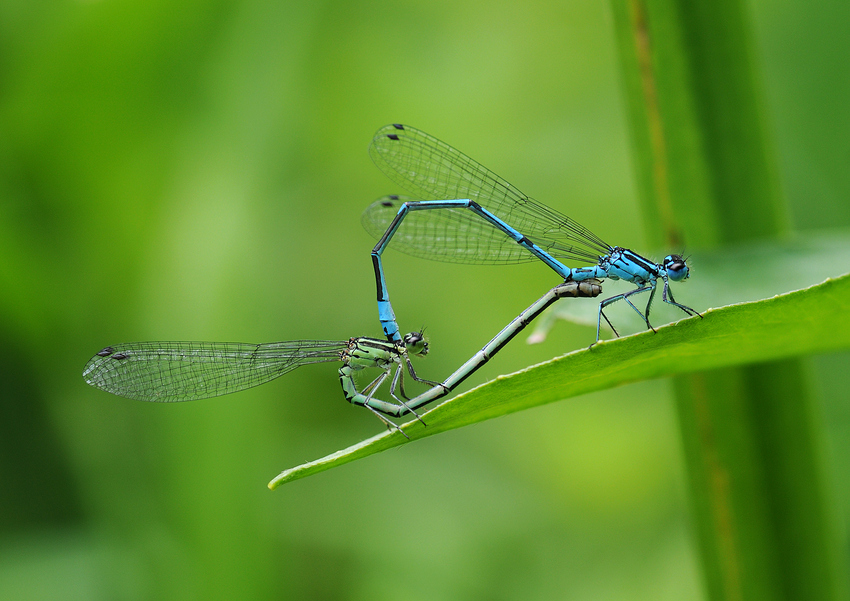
point(478, 217)
point(187, 371)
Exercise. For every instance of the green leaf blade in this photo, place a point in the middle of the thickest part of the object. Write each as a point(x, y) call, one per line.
point(803, 322)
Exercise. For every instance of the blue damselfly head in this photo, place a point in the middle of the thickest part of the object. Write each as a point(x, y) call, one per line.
point(676, 268)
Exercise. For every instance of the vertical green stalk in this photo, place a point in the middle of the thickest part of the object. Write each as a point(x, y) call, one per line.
point(707, 176)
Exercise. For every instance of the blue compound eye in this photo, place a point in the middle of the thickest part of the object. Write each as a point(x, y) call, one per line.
point(676, 268)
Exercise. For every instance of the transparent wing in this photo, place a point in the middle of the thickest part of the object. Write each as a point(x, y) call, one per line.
point(187, 371)
point(433, 170)
point(450, 235)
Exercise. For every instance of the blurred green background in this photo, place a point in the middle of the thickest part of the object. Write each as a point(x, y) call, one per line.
point(197, 170)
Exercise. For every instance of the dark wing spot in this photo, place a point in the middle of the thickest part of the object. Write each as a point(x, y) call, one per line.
point(106, 352)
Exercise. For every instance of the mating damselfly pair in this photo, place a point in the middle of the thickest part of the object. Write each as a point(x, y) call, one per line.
point(460, 212)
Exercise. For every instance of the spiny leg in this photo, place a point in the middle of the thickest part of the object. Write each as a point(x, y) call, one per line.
point(668, 292)
point(638, 311)
point(599, 323)
point(398, 383)
point(370, 388)
point(413, 375)
point(390, 425)
point(614, 299)
point(649, 303)
point(369, 391)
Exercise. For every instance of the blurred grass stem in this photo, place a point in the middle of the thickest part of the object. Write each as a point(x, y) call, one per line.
point(706, 170)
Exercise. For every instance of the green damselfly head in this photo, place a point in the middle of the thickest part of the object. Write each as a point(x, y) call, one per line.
point(415, 343)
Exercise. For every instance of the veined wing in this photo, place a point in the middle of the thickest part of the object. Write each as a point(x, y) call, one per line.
point(450, 235)
point(431, 169)
point(187, 371)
